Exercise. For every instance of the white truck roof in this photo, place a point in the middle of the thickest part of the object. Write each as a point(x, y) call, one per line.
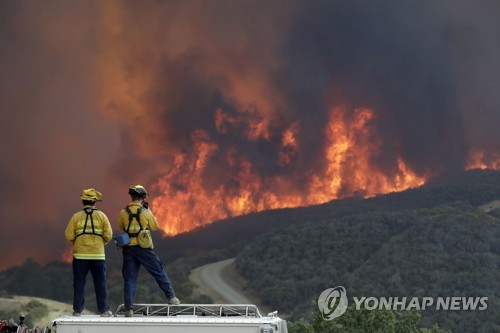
point(183, 318)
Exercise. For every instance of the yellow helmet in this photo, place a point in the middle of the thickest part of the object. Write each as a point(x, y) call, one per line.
point(91, 194)
point(138, 190)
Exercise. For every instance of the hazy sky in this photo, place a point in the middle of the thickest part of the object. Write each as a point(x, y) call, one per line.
point(108, 94)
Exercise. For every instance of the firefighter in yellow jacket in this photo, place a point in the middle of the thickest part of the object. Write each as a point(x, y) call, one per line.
point(137, 216)
point(89, 231)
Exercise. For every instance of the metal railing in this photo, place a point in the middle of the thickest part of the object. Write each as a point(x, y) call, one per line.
point(199, 310)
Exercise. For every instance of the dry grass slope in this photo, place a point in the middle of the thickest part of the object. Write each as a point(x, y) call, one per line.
point(55, 308)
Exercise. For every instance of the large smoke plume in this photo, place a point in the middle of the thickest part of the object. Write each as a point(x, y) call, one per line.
point(110, 94)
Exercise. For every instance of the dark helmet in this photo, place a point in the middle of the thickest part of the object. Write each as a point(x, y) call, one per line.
point(138, 190)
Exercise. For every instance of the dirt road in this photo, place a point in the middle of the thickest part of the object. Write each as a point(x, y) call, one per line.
point(211, 280)
point(223, 284)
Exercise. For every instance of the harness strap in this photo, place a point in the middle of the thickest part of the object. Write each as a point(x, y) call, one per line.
point(88, 212)
point(131, 216)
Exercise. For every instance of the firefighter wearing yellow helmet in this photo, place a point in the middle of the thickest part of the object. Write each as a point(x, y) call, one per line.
point(89, 231)
point(137, 220)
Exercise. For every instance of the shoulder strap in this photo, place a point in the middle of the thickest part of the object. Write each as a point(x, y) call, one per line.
point(131, 217)
point(88, 212)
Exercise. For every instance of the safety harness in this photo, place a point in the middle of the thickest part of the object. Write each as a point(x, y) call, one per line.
point(131, 216)
point(88, 213)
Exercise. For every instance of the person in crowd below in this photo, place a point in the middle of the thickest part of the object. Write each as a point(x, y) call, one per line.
point(89, 231)
point(137, 220)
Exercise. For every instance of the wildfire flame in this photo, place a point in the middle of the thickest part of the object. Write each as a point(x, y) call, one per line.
point(188, 200)
point(479, 160)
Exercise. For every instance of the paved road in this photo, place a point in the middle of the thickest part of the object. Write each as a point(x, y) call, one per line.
point(211, 276)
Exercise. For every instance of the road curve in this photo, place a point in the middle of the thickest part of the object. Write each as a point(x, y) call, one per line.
point(211, 276)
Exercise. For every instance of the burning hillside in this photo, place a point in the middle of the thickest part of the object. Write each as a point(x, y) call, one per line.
point(213, 181)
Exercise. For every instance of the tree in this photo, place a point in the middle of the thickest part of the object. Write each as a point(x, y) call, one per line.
point(362, 321)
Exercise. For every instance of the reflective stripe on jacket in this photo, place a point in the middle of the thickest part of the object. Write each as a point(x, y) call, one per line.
point(89, 245)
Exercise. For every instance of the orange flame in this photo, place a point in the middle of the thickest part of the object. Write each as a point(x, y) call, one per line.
point(67, 255)
point(478, 159)
point(351, 146)
point(188, 200)
point(288, 145)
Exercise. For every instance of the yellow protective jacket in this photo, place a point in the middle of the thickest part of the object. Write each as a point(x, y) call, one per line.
point(148, 221)
point(89, 244)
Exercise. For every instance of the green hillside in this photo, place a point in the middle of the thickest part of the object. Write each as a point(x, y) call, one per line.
point(444, 249)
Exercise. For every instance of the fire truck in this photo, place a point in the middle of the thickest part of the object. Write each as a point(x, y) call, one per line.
point(183, 318)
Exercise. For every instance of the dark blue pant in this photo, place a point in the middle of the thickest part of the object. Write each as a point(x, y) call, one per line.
point(98, 270)
point(133, 258)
